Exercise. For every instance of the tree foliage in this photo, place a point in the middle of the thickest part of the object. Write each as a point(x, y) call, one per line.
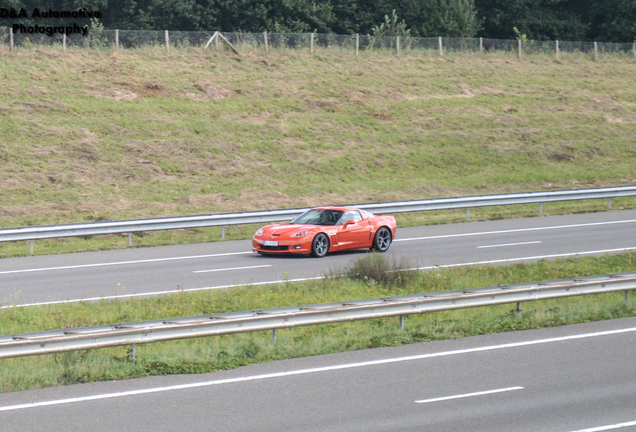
point(391, 27)
point(601, 20)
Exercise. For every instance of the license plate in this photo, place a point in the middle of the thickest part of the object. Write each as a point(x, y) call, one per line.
point(270, 243)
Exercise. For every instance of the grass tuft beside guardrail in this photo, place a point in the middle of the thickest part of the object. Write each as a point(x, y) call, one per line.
point(229, 351)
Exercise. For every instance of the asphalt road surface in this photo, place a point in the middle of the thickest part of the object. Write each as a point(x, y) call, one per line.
point(563, 379)
point(145, 271)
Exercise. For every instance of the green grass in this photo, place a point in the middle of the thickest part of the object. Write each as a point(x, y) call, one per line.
point(98, 135)
point(224, 352)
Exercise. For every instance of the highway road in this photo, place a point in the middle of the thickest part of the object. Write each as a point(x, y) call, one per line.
point(145, 271)
point(563, 379)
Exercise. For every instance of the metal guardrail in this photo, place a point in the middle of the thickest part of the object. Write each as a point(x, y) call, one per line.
point(271, 319)
point(131, 226)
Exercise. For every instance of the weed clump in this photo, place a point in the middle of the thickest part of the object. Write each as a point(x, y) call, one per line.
point(375, 268)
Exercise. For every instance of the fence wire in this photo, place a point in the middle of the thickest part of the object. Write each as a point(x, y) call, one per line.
point(316, 42)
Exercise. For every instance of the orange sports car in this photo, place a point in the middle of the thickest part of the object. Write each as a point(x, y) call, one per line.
point(327, 229)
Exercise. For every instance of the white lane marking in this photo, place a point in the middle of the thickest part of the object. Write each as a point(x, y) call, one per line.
point(232, 268)
point(608, 427)
point(516, 230)
point(467, 395)
point(122, 263)
point(509, 244)
point(526, 258)
point(156, 293)
point(319, 369)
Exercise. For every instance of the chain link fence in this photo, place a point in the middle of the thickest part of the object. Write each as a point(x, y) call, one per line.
point(312, 42)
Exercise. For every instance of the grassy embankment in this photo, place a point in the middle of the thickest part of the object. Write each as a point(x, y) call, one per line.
point(224, 352)
point(90, 136)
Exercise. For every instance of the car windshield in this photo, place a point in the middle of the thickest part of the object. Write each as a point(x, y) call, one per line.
point(319, 217)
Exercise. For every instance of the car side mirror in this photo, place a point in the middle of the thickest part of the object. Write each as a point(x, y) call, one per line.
point(347, 223)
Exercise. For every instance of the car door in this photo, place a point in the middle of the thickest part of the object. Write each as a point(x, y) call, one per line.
point(353, 232)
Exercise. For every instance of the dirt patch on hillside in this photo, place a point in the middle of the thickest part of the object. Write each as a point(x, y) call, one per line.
point(207, 91)
point(118, 94)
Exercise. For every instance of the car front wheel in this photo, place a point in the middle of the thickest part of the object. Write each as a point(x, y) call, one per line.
point(382, 240)
point(320, 246)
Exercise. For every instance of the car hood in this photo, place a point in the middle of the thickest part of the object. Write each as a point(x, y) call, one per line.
point(285, 230)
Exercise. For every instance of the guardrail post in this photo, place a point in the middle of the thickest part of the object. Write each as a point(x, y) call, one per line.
point(401, 322)
point(626, 295)
point(129, 239)
point(467, 213)
point(274, 336)
point(31, 245)
point(518, 309)
point(541, 209)
point(131, 353)
point(609, 203)
point(223, 232)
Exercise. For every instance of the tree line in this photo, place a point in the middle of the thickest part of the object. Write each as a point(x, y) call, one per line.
point(575, 20)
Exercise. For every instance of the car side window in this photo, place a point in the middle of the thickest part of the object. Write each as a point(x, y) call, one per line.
point(351, 215)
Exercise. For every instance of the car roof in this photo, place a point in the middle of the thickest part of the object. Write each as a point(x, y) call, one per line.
point(336, 208)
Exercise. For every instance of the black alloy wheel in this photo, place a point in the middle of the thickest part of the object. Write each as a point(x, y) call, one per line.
point(320, 246)
point(382, 240)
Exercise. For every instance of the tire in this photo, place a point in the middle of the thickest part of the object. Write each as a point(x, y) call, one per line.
point(319, 246)
point(382, 239)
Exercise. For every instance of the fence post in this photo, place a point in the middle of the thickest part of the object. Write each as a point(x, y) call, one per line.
point(266, 46)
point(481, 47)
point(557, 50)
point(397, 45)
point(634, 48)
point(311, 43)
point(10, 38)
point(216, 41)
point(117, 40)
point(357, 43)
point(519, 48)
point(63, 41)
point(167, 42)
point(596, 51)
point(441, 54)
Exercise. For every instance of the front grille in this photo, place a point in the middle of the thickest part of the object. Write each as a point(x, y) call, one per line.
point(275, 248)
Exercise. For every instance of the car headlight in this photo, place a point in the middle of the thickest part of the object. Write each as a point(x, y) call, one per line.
point(301, 234)
point(259, 232)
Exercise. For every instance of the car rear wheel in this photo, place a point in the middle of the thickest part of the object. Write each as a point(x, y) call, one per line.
point(382, 240)
point(320, 246)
